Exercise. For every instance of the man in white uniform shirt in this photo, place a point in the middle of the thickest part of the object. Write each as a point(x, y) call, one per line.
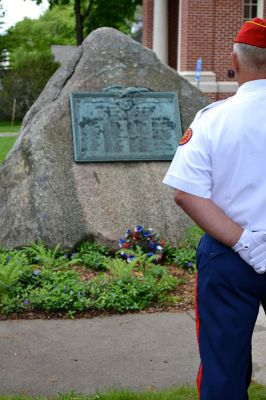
point(219, 176)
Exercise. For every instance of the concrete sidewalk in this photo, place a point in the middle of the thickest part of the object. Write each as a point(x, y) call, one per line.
point(135, 351)
point(7, 134)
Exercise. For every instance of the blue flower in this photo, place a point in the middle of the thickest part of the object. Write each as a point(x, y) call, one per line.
point(26, 302)
point(153, 246)
point(123, 255)
point(128, 232)
point(150, 254)
point(130, 258)
point(138, 228)
point(36, 272)
point(147, 234)
point(189, 264)
point(121, 242)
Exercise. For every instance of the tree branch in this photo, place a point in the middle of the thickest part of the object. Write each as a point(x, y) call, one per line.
point(88, 11)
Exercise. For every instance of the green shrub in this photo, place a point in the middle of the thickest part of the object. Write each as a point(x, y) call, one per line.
point(39, 254)
point(186, 258)
point(40, 279)
point(51, 291)
point(91, 255)
point(192, 237)
point(12, 267)
point(121, 295)
point(129, 287)
point(185, 254)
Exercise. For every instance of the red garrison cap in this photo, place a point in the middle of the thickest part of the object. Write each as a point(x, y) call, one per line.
point(253, 33)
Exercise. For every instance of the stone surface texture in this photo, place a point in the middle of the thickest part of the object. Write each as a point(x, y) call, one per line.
point(45, 195)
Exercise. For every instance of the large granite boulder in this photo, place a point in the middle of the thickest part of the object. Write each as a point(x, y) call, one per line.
point(45, 195)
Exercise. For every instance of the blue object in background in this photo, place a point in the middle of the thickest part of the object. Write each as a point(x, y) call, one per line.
point(198, 70)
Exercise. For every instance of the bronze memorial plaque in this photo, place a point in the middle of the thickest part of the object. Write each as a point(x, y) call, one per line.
point(130, 124)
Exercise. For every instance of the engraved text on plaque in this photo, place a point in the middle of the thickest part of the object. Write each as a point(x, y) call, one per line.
point(125, 125)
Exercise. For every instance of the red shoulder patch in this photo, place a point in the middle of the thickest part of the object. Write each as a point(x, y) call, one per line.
point(186, 137)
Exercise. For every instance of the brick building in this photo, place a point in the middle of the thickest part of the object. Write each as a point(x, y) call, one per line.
point(182, 31)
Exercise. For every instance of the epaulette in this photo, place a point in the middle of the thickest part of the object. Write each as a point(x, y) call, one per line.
point(210, 106)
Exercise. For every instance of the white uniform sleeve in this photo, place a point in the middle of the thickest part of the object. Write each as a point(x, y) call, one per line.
point(190, 170)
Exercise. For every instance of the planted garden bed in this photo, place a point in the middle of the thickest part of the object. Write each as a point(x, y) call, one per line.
point(145, 275)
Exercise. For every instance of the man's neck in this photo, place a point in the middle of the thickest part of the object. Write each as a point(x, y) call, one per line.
point(250, 77)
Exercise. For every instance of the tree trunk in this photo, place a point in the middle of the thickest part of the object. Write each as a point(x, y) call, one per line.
point(79, 22)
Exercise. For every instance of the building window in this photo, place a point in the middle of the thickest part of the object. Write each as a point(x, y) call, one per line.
point(252, 9)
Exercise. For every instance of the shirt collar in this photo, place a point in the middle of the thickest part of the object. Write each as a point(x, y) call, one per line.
point(250, 86)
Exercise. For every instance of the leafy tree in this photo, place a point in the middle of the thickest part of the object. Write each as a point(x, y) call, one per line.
point(29, 37)
point(2, 13)
point(20, 83)
point(31, 61)
point(1, 9)
point(92, 14)
point(2, 53)
point(29, 43)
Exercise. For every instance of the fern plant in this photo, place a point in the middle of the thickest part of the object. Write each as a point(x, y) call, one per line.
point(92, 255)
point(119, 269)
point(11, 270)
point(41, 255)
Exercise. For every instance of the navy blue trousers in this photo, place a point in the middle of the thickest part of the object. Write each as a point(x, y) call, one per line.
point(228, 296)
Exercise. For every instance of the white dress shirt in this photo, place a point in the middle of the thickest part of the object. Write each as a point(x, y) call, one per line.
point(225, 158)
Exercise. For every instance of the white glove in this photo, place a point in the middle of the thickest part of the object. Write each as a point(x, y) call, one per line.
point(247, 244)
point(258, 258)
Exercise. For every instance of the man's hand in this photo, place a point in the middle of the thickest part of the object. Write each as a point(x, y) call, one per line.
point(258, 258)
point(217, 224)
point(252, 248)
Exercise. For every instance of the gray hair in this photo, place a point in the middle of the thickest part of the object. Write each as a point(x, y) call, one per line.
point(250, 56)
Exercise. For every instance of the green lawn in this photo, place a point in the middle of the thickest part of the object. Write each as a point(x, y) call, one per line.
point(6, 127)
point(257, 392)
point(5, 145)
point(180, 393)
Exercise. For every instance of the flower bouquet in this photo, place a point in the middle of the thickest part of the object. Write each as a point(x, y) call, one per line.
point(143, 239)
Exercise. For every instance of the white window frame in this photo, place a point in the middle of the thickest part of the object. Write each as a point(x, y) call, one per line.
point(260, 7)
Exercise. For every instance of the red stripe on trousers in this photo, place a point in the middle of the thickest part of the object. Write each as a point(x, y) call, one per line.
point(199, 377)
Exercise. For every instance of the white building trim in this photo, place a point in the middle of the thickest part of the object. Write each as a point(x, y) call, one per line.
point(179, 36)
point(260, 8)
point(160, 29)
point(208, 83)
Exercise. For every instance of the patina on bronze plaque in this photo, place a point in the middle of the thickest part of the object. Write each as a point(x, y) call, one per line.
point(130, 124)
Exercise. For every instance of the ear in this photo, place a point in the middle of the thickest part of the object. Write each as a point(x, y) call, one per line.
point(235, 62)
